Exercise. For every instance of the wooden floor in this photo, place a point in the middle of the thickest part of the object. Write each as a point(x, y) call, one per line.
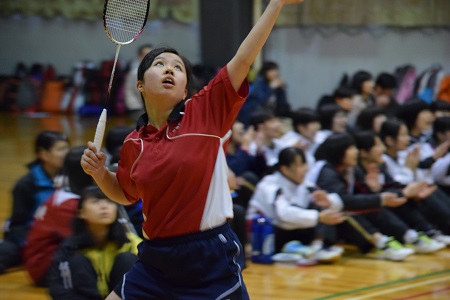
point(354, 277)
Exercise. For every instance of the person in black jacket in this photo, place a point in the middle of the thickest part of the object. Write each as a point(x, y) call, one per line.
point(30, 192)
point(334, 173)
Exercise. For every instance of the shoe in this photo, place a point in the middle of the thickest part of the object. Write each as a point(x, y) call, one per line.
point(444, 239)
point(328, 255)
point(394, 250)
point(425, 244)
point(286, 257)
point(296, 247)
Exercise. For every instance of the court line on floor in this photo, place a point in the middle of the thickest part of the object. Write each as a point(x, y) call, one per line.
point(425, 293)
point(371, 287)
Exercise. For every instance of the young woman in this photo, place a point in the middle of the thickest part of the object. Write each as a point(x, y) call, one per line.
point(297, 212)
point(435, 206)
point(333, 119)
point(372, 177)
point(174, 161)
point(93, 260)
point(31, 191)
point(334, 172)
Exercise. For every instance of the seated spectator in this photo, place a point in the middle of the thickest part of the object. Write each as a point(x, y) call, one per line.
point(334, 172)
point(268, 93)
point(371, 118)
point(372, 177)
point(362, 83)
point(436, 207)
point(30, 192)
point(333, 119)
point(385, 85)
point(296, 212)
point(53, 219)
point(266, 137)
point(440, 169)
point(305, 125)
point(94, 259)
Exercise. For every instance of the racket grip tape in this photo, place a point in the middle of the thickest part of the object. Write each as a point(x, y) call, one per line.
point(100, 131)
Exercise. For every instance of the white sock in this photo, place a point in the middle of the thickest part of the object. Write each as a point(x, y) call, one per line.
point(381, 242)
point(410, 236)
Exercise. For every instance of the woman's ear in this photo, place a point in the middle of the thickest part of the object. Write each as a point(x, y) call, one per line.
point(185, 94)
point(140, 86)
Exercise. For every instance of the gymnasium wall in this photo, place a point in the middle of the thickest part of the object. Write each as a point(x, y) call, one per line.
point(311, 63)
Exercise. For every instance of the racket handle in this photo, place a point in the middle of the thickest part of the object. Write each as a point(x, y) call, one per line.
point(100, 131)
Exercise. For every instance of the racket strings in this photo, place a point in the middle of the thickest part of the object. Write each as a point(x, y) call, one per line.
point(125, 19)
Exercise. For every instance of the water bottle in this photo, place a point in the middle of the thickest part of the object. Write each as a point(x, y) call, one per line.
point(263, 240)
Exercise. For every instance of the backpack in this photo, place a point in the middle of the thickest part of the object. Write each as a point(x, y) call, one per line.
point(406, 77)
point(428, 84)
point(444, 89)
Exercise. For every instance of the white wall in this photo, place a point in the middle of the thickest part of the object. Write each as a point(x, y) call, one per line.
point(311, 64)
point(314, 65)
point(62, 42)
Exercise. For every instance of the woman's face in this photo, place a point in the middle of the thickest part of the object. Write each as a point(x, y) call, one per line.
point(97, 211)
point(339, 122)
point(424, 120)
point(377, 122)
point(376, 152)
point(402, 141)
point(350, 156)
point(165, 79)
point(295, 171)
point(54, 157)
point(367, 87)
point(237, 132)
point(309, 130)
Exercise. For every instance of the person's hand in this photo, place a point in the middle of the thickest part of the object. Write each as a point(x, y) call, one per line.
point(372, 178)
point(93, 162)
point(426, 192)
point(441, 150)
point(413, 158)
point(412, 190)
point(392, 200)
point(331, 217)
point(277, 83)
point(321, 199)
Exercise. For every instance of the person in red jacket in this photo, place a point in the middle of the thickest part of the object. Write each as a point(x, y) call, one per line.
point(53, 219)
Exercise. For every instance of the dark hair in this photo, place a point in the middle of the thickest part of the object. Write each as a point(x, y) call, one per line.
point(303, 116)
point(390, 128)
point(364, 140)
point(77, 178)
point(326, 114)
point(386, 81)
point(47, 139)
point(81, 233)
point(115, 136)
point(287, 156)
point(343, 92)
point(333, 148)
point(148, 59)
point(267, 66)
point(358, 79)
point(409, 111)
point(143, 47)
point(441, 125)
point(440, 105)
point(259, 118)
point(367, 116)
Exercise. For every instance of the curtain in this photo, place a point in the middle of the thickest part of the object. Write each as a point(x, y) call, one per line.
point(398, 13)
point(185, 11)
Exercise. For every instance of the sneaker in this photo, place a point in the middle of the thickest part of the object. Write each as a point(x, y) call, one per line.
point(394, 250)
point(444, 239)
point(328, 255)
point(297, 247)
point(425, 244)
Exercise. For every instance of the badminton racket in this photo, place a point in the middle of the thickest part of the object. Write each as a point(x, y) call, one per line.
point(124, 21)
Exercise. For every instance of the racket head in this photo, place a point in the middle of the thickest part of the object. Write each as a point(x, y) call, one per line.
point(124, 20)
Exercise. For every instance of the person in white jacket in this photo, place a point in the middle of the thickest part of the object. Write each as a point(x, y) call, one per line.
point(297, 210)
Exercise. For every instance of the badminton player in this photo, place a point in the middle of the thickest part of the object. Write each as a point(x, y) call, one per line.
point(175, 162)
